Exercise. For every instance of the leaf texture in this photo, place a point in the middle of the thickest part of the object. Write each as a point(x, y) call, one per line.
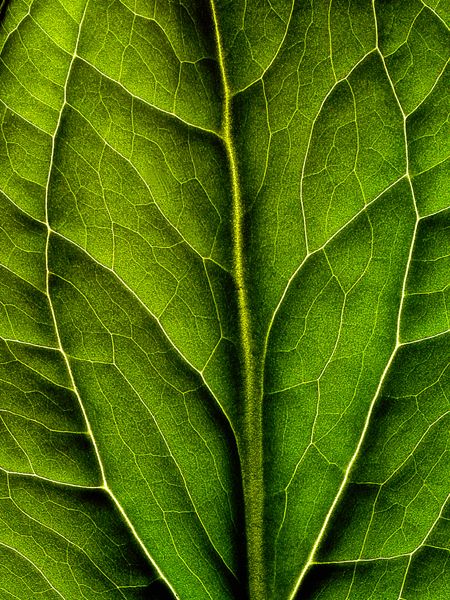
point(224, 300)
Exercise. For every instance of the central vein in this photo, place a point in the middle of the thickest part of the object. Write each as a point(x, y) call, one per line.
point(250, 444)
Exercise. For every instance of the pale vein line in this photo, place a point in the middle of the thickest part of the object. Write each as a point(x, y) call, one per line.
point(436, 82)
point(51, 586)
point(16, 27)
point(391, 476)
point(405, 575)
point(252, 470)
point(430, 427)
point(147, 103)
point(199, 372)
point(35, 288)
point(432, 167)
point(23, 343)
point(67, 540)
point(438, 212)
point(18, 444)
point(19, 116)
point(345, 479)
point(409, 555)
point(183, 478)
point(135, 169)
point(437, 15)
point(352, 561)
point(123, 87)
point(330, 40)
point(22, 85)
point(60, 346)
point(275, 56)
point(166, 336)
point(151, 490)
point(407, 36)
point(185, 360)
point(25, 417)
point(302, 176)
point(22, 210)
point(317, 250)
point(47, 35)
point(386, 370)
point(49, 480)
point(154, 318)
point(269, 142)
point(424, 339)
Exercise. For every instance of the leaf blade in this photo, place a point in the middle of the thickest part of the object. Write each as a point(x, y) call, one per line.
point(224, 236)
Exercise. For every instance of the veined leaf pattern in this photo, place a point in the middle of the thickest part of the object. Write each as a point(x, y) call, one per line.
point(224, 299)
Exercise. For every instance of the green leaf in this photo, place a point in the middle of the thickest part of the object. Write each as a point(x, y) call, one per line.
point(224, 300)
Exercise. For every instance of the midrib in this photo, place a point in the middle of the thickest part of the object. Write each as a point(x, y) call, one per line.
point(251, 436)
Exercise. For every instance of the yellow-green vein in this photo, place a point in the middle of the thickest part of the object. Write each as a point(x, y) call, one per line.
point(250, 442)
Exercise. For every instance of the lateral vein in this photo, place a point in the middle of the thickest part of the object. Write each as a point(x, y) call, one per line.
point(311, 557)
point(58, 337)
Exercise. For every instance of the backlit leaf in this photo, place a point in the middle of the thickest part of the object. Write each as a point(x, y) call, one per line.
point(224, 300)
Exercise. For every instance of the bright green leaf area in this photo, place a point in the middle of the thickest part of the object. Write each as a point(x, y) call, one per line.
point(224, 300)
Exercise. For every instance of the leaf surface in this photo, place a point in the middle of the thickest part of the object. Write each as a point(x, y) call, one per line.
point(224, 295)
